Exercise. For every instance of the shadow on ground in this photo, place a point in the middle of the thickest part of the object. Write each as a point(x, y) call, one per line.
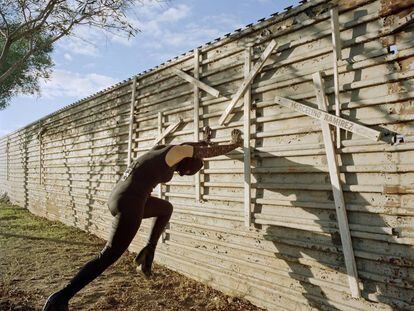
point(38, 256)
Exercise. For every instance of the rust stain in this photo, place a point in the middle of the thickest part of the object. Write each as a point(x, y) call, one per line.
point(397, 261)
point(407, 64)
point(387, 41)
point(395, 189)
point(395, 87)
point(407, 108)
point(336, 238)
point(402, 108)
point(389, 7)
point(346, 4)
point(391, 189)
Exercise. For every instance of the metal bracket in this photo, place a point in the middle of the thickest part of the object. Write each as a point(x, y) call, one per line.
point(397, 139)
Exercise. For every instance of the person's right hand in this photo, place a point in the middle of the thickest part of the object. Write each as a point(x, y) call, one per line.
point(207, 132)
point(236, 137)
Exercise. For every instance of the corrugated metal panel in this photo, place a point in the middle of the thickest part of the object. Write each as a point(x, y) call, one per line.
point(291, 259)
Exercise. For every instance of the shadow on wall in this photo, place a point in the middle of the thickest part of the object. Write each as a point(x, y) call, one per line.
point(26, 137)
point(303, 228)
point(83, 176)
point(325, 246)
point(109, 155)
point(303, 225)
point(293, 245)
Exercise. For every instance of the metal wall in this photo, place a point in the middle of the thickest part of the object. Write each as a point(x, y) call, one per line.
point(290, 258)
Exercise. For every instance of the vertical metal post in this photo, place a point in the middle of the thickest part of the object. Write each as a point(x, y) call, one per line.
point(337, 55)
point(7, 158)
point(40, 158)
point(197, 119)
point(131, 121)
point(337, 191)
point(246, 146)
point(25, 169)
point(40, 138)
point(160, 117)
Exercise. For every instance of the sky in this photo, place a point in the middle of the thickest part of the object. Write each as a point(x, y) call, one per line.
point(92, 60)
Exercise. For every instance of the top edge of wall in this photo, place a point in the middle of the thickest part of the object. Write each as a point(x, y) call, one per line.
point(229, 37)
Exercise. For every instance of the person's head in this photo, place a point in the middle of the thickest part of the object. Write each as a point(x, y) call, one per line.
point(189, 166)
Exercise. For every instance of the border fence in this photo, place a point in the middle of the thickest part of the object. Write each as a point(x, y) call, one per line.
point(307, 215)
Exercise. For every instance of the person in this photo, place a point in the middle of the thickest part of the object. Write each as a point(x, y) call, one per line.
point(130, 201)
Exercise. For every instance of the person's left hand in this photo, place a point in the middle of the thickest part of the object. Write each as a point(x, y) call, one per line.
point(236, 137)
point(207, 132)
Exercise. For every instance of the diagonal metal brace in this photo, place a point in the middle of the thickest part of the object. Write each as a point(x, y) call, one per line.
point(249, 79)
point(168, 130)
point(403, 22)
point(338, 195)
point(212, 91)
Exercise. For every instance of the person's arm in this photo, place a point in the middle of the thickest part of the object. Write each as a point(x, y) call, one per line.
point(202, 152)
point(177, 153)
point(207, 132)
point(198, 143)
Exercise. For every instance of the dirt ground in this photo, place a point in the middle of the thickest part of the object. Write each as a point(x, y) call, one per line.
point(38, 256)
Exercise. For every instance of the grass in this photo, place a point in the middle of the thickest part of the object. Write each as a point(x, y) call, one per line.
point(38, 256)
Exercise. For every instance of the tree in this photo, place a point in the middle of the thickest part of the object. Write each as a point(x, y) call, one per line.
point(29, 28)
point(24, 79)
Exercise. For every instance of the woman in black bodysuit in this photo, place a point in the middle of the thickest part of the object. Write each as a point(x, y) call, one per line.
point(131, 201)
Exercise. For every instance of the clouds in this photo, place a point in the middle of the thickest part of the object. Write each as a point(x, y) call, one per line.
point(168, 31)
point(151, 19)
point(63, 88)
point(83, 41)
point(67, 56)
point(174, 14)
point(92, 60)
point(65, 83)
point(179, 26)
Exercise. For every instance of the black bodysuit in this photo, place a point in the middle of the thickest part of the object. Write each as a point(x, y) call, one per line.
point(130, 202)
point(141, 177)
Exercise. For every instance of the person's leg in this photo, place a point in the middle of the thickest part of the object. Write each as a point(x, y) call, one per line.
point(124, 227)
point(162, 210)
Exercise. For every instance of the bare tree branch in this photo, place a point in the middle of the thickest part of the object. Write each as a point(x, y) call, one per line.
point(63, 33)
point(39, 24)
point(23, 8)
point(3, 17)
point(5, 51)
point(31, 25)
